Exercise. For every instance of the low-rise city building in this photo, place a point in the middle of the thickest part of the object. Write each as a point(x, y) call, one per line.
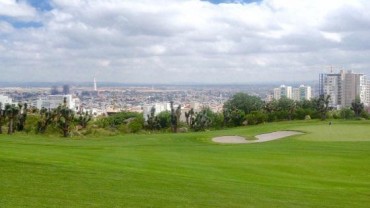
point(4, 100)
point(53, 101)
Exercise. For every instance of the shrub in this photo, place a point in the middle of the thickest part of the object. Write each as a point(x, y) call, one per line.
point(347, 113)
point(135, 125)
point(256, 117)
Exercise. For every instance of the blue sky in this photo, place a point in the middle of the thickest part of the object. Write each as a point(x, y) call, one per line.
point(42, 5)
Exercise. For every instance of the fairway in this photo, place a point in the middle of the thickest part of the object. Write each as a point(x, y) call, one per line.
point(327, 166)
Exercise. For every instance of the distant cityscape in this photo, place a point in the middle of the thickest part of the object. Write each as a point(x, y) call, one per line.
point(342, 87)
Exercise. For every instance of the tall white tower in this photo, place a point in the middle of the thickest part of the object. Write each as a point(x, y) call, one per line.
point(95, 87)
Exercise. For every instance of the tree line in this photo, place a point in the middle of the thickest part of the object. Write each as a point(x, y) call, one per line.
point(243, 109)
point(61, 119)
point(240, 110)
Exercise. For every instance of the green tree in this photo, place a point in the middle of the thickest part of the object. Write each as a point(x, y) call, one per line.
point(286, 107)
point(322, 105)
point(136, 125)
point(256, 117)
point(164, 119)
point(244, 102)
point(357, 106)
point(233, 117)
point(270, 108)
point(347, 113)
point(217, 120)
point(305, 108)
point(121, 118)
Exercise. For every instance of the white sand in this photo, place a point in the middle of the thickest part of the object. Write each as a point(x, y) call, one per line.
point(275, 135)
point(230, 139)
point(260, 138)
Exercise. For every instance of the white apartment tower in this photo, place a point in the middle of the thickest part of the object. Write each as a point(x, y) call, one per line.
point(343, 88)
point(298, 94)
point(302, 93)
point(283, 91)
point(367, 97)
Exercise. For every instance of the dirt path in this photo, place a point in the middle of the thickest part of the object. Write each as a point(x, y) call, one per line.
point(260, 138)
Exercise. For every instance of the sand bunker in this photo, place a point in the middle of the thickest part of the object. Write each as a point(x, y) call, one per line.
point(260, 138)
point(230, 139)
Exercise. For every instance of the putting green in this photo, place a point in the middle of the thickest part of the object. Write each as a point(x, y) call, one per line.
point(335, 132)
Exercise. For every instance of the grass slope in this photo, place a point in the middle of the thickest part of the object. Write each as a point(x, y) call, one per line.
point(327, 167)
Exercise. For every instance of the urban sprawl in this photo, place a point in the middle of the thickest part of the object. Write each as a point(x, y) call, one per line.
point(343, 87)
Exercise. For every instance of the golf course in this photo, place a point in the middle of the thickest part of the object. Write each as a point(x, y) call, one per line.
point(324, 166)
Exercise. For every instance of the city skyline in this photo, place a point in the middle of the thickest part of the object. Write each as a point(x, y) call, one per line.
point(181, 41)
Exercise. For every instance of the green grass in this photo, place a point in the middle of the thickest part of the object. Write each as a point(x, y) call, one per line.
point(329, 166)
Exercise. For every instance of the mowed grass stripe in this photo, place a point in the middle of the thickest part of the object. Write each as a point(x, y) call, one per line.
point(186, 170)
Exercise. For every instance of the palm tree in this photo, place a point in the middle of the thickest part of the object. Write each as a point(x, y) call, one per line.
point(2, 117)
point(65, 118)
point(84, 119)
point(178, 113)
point(322, 105)
point(173, 119)
point(152, 120)
point(46, 118)
point(357, 106)
point(21, 119)
point(11, 112)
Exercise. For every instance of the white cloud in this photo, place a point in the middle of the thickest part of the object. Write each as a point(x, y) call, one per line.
point(17, 9)
point(186, 40)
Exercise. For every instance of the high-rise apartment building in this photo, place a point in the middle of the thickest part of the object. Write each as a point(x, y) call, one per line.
point(331, 84)
point(343, 88)
point(367, 97)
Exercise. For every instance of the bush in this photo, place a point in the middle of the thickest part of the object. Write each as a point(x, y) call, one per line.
point(136, 125)
point(335, 114)
point(31, 123)
point(102, 122)
point(234, 118)
point(256, 117)
point(217, 120)
point(122, 117)
point(347, 113)
point(365, 115)
point(164, 119)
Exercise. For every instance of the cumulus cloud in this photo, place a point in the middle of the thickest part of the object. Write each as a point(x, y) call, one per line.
point(172, 41)
point(16, 9)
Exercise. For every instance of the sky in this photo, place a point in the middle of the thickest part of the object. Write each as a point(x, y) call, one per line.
point(182, 41)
